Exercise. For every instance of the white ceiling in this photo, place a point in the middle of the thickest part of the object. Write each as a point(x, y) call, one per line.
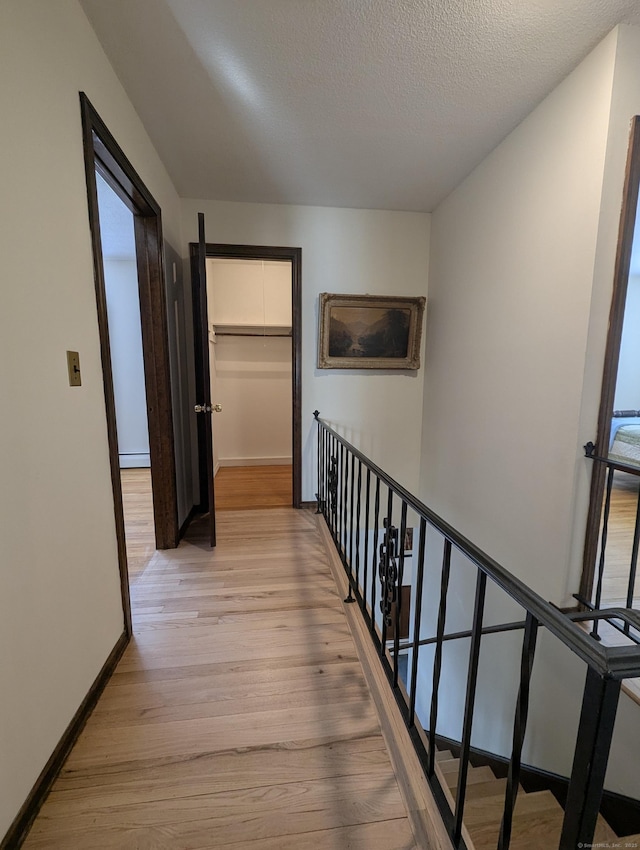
point(384, 104)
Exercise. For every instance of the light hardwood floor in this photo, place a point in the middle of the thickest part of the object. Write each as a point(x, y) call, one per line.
point(243, 487)
point(622, 517)
point(138, 520)
point(239, 716)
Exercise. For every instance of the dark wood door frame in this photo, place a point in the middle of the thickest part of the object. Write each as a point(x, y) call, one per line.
point(266, 252)
point(612, 354)
point(103, 154)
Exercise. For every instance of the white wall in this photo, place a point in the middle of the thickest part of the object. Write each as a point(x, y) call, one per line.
point(252, 382)
point(125, 340)
point(344, 251)
point(509, 289)
point(249, 292)
point(60, 608)
point(628, 381)
point(520, 287)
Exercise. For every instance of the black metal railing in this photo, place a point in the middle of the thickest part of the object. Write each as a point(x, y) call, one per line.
point(373, 521)
point(597, 602)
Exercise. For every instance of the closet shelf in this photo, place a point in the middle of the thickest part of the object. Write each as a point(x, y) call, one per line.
point(250, 330)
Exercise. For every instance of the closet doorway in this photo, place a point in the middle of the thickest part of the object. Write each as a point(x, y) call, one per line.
point(253, 303)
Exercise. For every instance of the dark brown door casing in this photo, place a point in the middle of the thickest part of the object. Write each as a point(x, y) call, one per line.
point(102, 153)
point(612, 354)
point(262, 252)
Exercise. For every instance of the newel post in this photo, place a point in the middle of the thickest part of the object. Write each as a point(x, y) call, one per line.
point(597, 719)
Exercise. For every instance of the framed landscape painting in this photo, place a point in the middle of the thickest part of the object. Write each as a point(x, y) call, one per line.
point(370, 331)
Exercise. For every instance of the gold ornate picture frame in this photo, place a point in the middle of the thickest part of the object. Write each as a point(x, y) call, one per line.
point(370, 331)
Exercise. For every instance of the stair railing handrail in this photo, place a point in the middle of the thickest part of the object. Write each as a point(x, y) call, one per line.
point(375, 555)
point(616, 662)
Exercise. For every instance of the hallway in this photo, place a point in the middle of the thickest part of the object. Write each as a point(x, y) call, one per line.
point(239, 715)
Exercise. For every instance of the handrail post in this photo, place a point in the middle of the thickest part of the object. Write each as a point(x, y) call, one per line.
point(597, 719)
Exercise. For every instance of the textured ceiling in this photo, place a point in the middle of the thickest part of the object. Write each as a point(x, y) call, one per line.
point(383, 104)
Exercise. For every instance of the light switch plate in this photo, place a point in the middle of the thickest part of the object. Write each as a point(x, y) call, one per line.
point(73, 365)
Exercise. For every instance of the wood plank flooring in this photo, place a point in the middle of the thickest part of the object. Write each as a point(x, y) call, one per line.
point(239, 716)
point(622, 517)
point(247, 487)
point(138, 519)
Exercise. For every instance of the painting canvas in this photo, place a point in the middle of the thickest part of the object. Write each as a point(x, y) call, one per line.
point(370, 332)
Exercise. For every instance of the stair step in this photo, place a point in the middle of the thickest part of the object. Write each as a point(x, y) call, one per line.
point(604, 835)
point(492, 788)
point(449, 765)
point(474, 775)
point(537, 822)
point(488, 810)
point(630, 840)
point(536, 825)
point(443, 755)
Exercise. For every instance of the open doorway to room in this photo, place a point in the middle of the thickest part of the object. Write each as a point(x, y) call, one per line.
point(251, 368)
point(107, 168)
point(252, 342)
point(127, 366)
point(610, 577)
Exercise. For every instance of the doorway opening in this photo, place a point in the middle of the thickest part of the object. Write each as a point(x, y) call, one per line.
point(609, 576)
point(251, 367)
point(133, 219)
point(254, 351)
point(117, 235)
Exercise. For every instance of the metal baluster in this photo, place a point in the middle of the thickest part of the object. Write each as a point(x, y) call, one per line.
point(345, 482)
point(333, 482)
point(316, 413)
point(417, 622)
point(374, 559)
point(325, 464)
point(358, 508)
point(384, 567)
point(519, 729)
point(472, 678)
point(396, 625)
point(366, 542)
point(349, 525)
point(339, 499)
point(351, 499)
point(437, 661)
point(603, 546)
point(634, 561)
point(597, 719)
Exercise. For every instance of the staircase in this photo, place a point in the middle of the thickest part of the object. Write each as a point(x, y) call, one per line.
point(368, 517)
point(538, 816)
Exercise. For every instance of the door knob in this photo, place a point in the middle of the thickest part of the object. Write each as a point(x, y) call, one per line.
point(217, 408)
point(202, 408)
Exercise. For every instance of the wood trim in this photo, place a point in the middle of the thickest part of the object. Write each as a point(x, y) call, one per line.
point(612, 354)
point(424, 816)
point(88, 119)
point(102, 152)
point(155, 349)
point(294, 256)
point(22, 823)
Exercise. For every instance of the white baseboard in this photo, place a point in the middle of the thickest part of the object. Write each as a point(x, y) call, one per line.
point(216, 468)
point(135, 461)
point(256, 461)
